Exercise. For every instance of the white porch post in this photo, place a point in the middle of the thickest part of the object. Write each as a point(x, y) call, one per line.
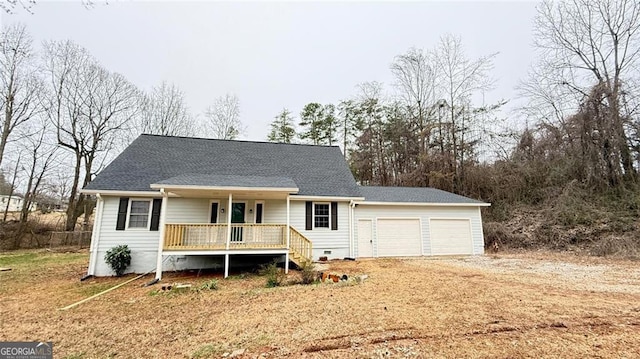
point(161, 231)
point(226, 255)
point(286, 256)
point(229, 212)
point(226, 265)
point(288, 223)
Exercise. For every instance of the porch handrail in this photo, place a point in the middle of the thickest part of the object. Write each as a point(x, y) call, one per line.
point(203, 236)
point(300, 244)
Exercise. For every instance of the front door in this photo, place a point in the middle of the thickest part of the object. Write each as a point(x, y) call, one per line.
point(237, 216)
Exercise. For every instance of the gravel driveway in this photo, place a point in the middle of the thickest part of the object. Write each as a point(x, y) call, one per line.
point(584, 274)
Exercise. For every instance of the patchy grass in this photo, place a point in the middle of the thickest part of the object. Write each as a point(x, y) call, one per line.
point(34, 260)
point(208, 351)
point(507, 305)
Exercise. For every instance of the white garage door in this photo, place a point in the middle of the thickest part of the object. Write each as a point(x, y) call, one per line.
point(399, 237)
point(450, 236)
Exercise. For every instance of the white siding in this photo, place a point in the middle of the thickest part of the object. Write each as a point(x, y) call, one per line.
point(324, 239)
point(424, 213)
point(196, 210)
point(188, 210)
point(274, 211)
point(142, 242)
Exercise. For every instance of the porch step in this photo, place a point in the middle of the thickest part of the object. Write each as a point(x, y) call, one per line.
point(300, 249)
point(296, 258)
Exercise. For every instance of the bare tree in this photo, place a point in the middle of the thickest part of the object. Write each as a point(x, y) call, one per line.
point(460, 79)
point(348, 122)
point(40, 146)
point(416, 78)
point(223, 118)
point(19, 87)
point(9, 6)
point(12, 188)
point(164, 112)
point(89, 107)
point(595, 44)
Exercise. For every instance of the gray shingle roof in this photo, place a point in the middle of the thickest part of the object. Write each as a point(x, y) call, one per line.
point(229, 181)
point(316, 170)
point(413, 195)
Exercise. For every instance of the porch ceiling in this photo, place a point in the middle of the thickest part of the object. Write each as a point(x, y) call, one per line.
point(221, 193)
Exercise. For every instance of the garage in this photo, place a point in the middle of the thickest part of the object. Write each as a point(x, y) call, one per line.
point(450, 236)
point(399, 237)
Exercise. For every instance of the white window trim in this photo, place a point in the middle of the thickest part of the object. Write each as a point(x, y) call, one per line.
point(313, 217)
point(148, 226)
point(255, 210)
point(218, 216)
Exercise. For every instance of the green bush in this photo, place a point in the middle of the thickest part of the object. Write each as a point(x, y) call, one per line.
point(308, 271)
point(275, 275)
point(118, 258)
point(211, 284)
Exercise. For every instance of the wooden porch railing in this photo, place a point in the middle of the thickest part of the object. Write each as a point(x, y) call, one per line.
point(214, 236)
point(300, 245)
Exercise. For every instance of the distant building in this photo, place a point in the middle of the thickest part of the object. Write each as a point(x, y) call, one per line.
point(15, 203)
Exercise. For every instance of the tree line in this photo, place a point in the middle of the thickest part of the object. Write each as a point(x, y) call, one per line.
point(578, 106)
point(64, 116)
point(426, 131)
point(577, 113)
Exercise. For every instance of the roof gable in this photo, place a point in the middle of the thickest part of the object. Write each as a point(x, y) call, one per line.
point(315, 170)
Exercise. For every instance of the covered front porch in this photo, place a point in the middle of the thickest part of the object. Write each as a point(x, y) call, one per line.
point(214, 215)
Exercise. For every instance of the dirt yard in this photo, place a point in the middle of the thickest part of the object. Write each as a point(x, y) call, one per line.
point(506, 306)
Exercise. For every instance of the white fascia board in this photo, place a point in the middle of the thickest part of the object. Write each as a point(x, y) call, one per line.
point(226, 189)
point(121, 193)
point(326, 198)
point(365, 203)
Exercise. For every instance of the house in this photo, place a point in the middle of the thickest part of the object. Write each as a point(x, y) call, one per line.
point(179, 202)
point(14, 203)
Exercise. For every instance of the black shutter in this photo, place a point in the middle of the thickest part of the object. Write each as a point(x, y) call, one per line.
point(334, 216)
point(308, 215)
point(155, 214)
point(258, 212)
point(214, 213)
point(122, 213)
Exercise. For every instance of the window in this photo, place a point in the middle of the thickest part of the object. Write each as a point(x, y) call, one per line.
point(321, 215)
point(259, 210)
point(139, 214)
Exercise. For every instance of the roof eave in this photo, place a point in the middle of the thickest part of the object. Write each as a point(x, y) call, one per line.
point(107, 192)
point(434, 204)
point(170, 187)
point(325, 198)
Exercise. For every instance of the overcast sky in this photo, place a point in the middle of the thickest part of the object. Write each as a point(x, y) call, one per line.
point(275, 55)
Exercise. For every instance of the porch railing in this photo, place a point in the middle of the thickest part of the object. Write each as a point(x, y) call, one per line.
point(300, 244)
point(214, 236)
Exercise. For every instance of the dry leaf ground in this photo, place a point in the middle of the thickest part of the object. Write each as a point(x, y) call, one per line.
point(506, 306)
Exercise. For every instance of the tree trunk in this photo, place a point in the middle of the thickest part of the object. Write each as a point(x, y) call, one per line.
point(72, 215)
